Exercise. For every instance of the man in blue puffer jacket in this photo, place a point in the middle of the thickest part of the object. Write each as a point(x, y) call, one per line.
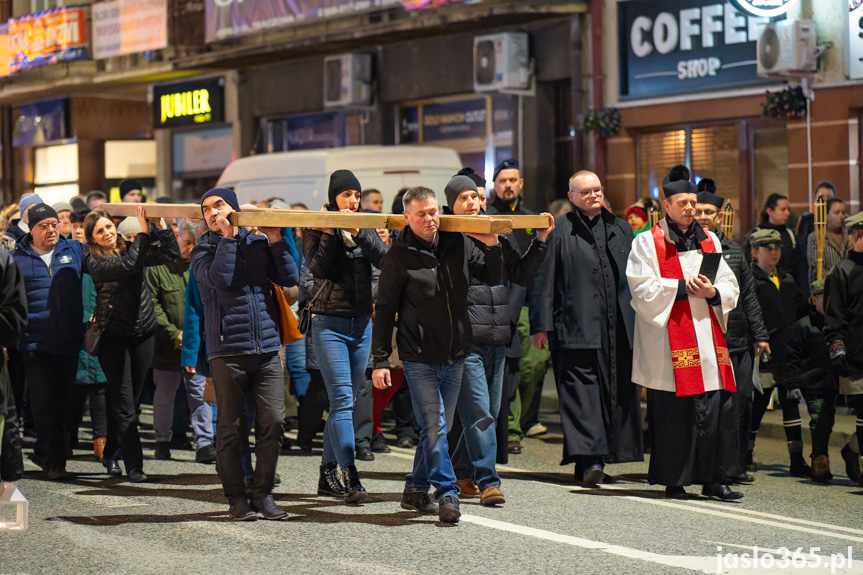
point(52, 268)
point(235, 270)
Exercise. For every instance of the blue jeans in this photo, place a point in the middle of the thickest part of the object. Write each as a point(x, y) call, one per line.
point(295, 364)
point(434, 392)
point(478, 405)
point(167, 383)
point(342, 347)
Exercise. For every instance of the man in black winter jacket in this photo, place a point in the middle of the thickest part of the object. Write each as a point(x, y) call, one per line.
point(746, 331)
point(424, 279)
point(492, 323)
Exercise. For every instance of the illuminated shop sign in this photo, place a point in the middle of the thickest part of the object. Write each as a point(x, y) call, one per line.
point(190, 103)
point(670, 47)
point(765, 8)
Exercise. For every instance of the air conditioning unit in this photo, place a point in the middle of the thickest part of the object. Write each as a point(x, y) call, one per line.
point(787, 48)
point(501, 62)
point(347, 80)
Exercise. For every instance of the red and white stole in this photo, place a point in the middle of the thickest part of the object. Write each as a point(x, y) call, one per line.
point(685, 355)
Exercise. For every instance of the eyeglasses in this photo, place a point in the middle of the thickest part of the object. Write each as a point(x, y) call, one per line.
point(708, 213)
point(44, 227)
point(591, 192)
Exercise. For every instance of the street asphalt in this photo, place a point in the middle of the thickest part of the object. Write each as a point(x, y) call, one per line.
point(177, 522)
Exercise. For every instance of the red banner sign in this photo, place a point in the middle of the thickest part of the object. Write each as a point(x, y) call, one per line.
point(47, 38)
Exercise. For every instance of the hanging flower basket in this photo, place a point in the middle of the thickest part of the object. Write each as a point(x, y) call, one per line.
point(786, 104)
point(605, 122)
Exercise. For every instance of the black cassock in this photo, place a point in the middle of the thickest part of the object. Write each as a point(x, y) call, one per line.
point(693, 438)
point(600, 409)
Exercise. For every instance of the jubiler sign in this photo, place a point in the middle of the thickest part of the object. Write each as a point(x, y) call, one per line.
point(670, 47)
point(188, 103)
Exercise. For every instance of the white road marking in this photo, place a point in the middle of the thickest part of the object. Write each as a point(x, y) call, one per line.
point(694, 563)
point(730, 512)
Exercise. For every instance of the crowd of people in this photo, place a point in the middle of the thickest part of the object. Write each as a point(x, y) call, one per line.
point(453, 331)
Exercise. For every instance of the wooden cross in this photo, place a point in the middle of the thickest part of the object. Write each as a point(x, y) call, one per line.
point(820, 236)
point(262, 217)
point(727, 220)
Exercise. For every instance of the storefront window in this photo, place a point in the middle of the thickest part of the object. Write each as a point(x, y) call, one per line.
point(716, 155)
point(199, 158)
point(55, 177)
point(478, 128)
point(311, 132)
point(771, 165)
point(657, 153)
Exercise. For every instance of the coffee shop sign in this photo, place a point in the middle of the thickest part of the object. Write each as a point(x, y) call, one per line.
point(666, 33)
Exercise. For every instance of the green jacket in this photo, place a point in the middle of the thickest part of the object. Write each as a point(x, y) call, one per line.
point(89, 370)
point(167, 285)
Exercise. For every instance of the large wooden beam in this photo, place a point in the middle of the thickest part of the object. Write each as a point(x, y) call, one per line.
point(126, 210)
point(260, 217)
point(304, 219)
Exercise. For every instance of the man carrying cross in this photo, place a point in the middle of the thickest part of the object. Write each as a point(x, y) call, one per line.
point(680, 353)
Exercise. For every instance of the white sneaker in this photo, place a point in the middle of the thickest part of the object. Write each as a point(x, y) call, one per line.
point(536, 429)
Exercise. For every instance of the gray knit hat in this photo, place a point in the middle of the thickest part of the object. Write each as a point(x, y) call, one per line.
point(456, 186)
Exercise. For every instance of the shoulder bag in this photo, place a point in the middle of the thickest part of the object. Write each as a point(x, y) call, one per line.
point(306, 314)
point(288, 327)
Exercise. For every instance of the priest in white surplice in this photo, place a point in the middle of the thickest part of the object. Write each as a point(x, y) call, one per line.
point(680, 354)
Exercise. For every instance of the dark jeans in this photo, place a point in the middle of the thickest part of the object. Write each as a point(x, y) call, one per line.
point(511, 381)
point(822, 416)
point(121, 395)
point(50, 379)
point(312, 407)
point(11, 459)
point(790, 414)
point(95, 392)
point(261, 376)
point(741, 361)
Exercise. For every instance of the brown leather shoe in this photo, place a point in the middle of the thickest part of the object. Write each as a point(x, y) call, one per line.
point(467, 489)
point(492, 495)
point(821, 469)
point(99, 447)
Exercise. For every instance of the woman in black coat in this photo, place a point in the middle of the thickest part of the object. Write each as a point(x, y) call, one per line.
point(125, 308)
point(341, 265)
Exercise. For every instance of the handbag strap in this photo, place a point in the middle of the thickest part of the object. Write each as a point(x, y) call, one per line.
point(318, 294)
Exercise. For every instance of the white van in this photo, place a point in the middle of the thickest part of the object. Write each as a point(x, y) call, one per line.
point(303, 176)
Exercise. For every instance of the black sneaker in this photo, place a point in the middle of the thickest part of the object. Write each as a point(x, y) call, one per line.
point(798, 466)
point(365, 454)
point(407, 442)
point(449, 512)
point(206, 454)
point(240, 510)
point(137, 476)
point(163, 451)
point(379, 443)
point(268, 508)
point(852, 463)
point(418, 501)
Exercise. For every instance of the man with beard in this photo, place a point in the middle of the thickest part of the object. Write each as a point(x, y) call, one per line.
point(588, 319)
point(746, 331)
point(525, 365)
point(680, 351)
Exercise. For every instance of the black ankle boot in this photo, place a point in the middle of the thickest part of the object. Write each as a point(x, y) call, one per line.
point(354, 491)
point(329, 482)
